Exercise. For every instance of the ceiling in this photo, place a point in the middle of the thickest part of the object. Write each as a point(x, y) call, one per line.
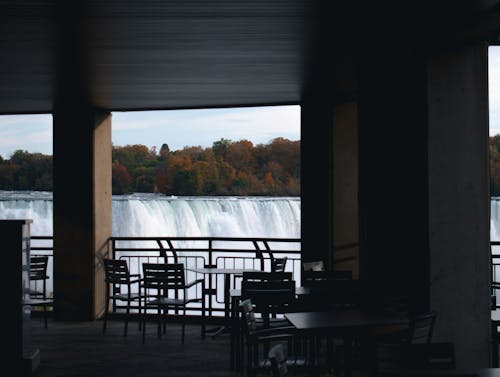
point(136, 55)
point(167, 54)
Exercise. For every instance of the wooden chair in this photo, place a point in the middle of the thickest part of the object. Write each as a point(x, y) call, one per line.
point(117, 277)
point(160, 280)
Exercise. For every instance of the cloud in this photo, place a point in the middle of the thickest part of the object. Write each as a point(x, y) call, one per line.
point(494, 89)
point(137, 120)
point(179, 128)
point(28, 132)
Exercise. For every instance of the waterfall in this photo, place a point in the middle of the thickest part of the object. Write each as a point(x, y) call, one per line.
point(158, 215)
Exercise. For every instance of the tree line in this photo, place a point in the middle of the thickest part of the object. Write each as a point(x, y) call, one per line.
point(494, 149)
point(226, 168)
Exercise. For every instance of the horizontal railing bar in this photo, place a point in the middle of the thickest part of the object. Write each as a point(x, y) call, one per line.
point(243, 239)
point(147, 249)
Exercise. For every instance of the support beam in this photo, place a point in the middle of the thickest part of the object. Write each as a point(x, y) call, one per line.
point(459, 201)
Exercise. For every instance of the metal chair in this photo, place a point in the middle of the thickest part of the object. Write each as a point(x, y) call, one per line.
point(257, 339)
point(38, 272)
point(37, 297)
point(278, 264)
point(272, 293)
point(117, 276)
point(162, 279)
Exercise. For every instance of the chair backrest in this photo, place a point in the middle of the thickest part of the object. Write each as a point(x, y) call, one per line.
point(278, 264)
point(271, 293)
point(38, 267)
point(116, 271)
point(315, 278)
point(163, 276)
point(268, 288)
point(331, 290)
point(278, 358)
point(421, 327)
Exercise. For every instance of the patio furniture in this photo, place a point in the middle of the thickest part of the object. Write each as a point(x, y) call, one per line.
point(38, 272)
point(345, 325)
point(278, 264)
point(227, 272)
point(257, 341)
point(272, 293)
point(160, 281)
point(117, 277)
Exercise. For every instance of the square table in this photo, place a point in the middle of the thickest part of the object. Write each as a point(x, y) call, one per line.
point(227, 272)
point(345, 324)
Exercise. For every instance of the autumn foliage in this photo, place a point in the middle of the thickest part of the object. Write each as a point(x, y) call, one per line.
point(226, 168)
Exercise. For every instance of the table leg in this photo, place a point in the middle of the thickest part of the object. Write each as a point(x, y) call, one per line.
point(227, 282)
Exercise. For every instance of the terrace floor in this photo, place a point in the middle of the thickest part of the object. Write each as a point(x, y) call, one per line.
point(74, 349)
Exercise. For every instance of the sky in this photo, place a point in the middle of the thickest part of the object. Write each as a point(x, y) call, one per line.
point(177, 128)
point(494, 89)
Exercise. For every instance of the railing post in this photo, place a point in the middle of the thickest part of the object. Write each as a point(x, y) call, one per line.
point(259, 254)
point(210, 284)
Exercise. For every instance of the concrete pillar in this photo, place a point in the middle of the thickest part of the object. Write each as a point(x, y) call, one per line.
point(394, 255)
point(82, 210)
point(459, 201)
point(345, 188)
point(316, 182)
point(82, 172)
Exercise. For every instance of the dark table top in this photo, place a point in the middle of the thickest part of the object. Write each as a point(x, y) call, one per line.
point(299, 291)
point(342, 319)
point(216, 270)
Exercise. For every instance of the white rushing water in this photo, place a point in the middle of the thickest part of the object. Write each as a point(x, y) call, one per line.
point(159, 215)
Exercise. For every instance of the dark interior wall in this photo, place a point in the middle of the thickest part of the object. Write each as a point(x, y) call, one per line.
point(393, 174)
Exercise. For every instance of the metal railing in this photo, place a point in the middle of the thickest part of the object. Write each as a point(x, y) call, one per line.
point(194, 252)
point(209, 252)
point(495, 272)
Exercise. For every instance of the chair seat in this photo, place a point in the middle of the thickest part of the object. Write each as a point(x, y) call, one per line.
point(167, 301)
point(124, 297)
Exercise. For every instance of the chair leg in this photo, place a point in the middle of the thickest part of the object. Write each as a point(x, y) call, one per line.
point(159, 322)
point(143, 319)
point(45, 315)
point(127, 314)
point(164, 322)
point(106, 308)
point(140, 314)
point(183, 324)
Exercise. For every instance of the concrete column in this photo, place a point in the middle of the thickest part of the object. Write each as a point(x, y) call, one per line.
point(394, 255)
point(345, 188)
point(316, 182)
point(82, 210)
point(82, 172)
point(459, 201)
